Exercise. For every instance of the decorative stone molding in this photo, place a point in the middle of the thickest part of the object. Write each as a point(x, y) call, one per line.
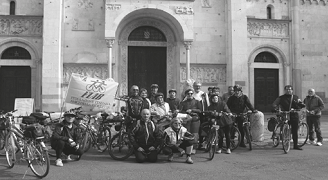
point(262, 28)
point(84, 4)
point(110, 42)
point(206, 4)
point(20, 26)
point(273, 1)
point(184, 10)
point(123, 72)
point(113, 7)
point(325, 2)
point(207, 74)
point(91, 70)
point(187, 44)
point(83, 25)
point(286, 64)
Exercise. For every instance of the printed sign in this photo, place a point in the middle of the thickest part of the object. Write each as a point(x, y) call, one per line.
point(24, 106)
point(87, 91)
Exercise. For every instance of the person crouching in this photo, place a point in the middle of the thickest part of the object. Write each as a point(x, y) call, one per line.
point(145, 138)
point(65, 138)
point(177, 139)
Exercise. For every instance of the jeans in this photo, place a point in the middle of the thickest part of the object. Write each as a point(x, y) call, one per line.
point(314, 121)
point(225, 131)
point(143, 156)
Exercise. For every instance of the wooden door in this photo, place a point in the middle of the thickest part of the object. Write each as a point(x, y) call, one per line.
point(266, 88)
point(146, 66)
point(15, 82)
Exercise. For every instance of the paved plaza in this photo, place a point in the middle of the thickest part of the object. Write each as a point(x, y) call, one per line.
point(263, 162)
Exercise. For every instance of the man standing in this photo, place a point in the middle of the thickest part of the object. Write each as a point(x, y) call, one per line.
point(135, 106)
point(314, 105)
point(287, 102)
point(173, 100)
point(238, 103)
point(153, 92)
point(226, 95)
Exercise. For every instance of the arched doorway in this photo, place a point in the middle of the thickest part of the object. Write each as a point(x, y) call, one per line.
point(267, 65)
point(147, 64)
point(266, 84)
point(15, 80)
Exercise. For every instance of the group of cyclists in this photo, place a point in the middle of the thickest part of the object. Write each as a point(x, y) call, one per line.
point(179, 126)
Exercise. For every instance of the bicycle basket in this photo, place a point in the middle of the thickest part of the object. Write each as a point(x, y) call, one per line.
point(272, 124)
point(34, 132)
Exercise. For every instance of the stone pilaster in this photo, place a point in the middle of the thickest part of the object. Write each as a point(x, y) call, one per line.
point(52, 63)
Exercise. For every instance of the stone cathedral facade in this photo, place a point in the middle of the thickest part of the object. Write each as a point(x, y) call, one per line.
point(261, 45)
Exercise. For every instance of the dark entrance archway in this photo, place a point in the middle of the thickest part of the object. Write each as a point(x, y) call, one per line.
point(147, 64)
point(266, 82)
point(15, 83)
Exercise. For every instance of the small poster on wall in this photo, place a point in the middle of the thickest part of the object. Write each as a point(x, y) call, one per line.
point(24, 106)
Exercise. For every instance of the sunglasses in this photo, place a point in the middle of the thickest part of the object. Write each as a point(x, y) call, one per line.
point(135, 89)
point(190, 93)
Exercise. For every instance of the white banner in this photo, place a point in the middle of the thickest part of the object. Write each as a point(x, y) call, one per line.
point(87, 91)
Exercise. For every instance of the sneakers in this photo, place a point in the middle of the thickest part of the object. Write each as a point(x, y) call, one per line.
point(228, 151)
point(170, 158)
point(59, 163)
point(193, 151)
point(189, 160)
point(219, 151)
point(319, 143)
point(311, 142)
point(68, 158)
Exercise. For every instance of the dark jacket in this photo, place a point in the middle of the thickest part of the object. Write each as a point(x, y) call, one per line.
point(135, 106)
point(239, 104)
point(174, 103)
point(284, 103)
point(62, 132)
point(192, 104)
point(140, 138)
point(218, 107)
point(314, 103)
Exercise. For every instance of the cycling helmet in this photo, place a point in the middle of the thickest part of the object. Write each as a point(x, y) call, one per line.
point(69, 113)
point(237, 88)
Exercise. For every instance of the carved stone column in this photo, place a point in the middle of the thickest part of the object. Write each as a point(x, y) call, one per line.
point(187, 46)
point(110, 43)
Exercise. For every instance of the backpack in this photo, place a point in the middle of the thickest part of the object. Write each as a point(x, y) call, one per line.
point(272, 124)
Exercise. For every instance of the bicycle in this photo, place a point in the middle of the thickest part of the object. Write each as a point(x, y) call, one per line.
point(246, 127)
point(3, 125)
point(285, 130)
point(303, 130)
point(30, 143)
point(234, 133)
point(120, 147)
point(90, 136)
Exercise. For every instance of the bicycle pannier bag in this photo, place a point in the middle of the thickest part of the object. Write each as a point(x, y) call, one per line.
point(29, 120)
point(3, 123)
point(224, 120)
point(272, 124)
point(33, 132)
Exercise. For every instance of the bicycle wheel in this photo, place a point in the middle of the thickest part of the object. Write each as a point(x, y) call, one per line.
point(212, 143)
point(235, 138)
point(120, 147)
point(285, 138)
point(10, 148)
point(103, 139)
point(275, 137)
point(247, 136)
point(303, 133)
point(86, 141)
point(38, 159)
